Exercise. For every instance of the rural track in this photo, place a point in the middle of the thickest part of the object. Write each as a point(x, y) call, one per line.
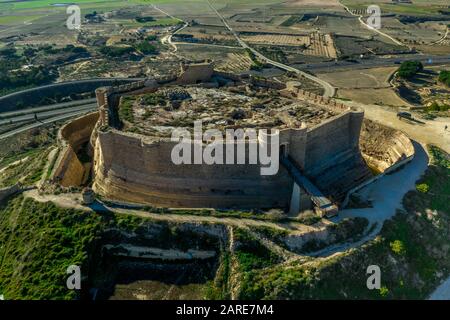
point(168, 39)
point(360, 18)
point(330, 91)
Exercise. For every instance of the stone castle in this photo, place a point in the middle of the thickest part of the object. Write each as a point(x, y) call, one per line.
point(321, 163)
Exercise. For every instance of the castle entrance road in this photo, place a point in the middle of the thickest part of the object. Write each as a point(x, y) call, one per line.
point(427, 132)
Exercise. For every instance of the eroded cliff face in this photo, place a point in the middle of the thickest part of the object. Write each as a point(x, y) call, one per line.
point(382, 147)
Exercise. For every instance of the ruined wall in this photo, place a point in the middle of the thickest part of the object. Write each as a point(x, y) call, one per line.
point(143, 172)
point(77, 132)
point(69, 171)
point(333, 159)
point(196, 73)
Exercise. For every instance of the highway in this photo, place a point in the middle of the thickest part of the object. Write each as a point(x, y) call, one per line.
point(15, 122)
point(41, 113)
point(329, 89)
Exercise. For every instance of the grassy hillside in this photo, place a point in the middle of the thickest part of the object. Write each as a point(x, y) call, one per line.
point(37, 243)
point(413, 252)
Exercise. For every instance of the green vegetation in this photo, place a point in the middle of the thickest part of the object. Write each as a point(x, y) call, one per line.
point(219, 288)
point(422, 187)
point(409, 69)
point(113, 51)
point(412, 265)
point(257, 65)
point(397, 247)
point(146, 48)
point(154, 99)
point(15, 74)
point(444, 77)
point(144, 19)
point(251, 254)
point(438, 107)
point(126, 109)
point(39, 241)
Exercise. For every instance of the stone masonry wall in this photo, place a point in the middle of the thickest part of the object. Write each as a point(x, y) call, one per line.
point(149, 176)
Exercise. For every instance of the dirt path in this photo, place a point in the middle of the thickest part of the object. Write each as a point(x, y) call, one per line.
point(360, 18)
point(73, 200)
point(430, 132)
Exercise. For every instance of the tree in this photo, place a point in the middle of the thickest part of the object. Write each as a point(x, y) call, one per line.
point(409, 69)
point(444, 77)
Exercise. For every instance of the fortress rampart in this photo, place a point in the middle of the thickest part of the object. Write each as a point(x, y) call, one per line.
point(149, 176)
point(138, 168)
point(69, 170)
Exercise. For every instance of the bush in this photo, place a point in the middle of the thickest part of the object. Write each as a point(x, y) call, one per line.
point(126, 109)
point(409, 69)
point(437, 107)
point(397, 247)
point(423, 187)
point(146, 48)
point(444, 77)
point(116, 51)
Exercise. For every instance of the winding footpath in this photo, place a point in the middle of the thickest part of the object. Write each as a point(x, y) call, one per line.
point(167, 40)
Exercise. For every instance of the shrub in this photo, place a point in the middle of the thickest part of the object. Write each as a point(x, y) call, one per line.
point(146, 48)
point(423, 187)
point(116, 51)
point(444, 77)
point(397, 247)
point(408, 69)
point(384, 291)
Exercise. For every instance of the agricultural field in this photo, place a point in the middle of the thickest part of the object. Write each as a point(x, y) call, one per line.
point(381, 97)
point(357, 79)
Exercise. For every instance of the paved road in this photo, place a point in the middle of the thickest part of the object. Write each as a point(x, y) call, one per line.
point(65, 116)
point(32, 114)
point(10, 114)
point(329, 89)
